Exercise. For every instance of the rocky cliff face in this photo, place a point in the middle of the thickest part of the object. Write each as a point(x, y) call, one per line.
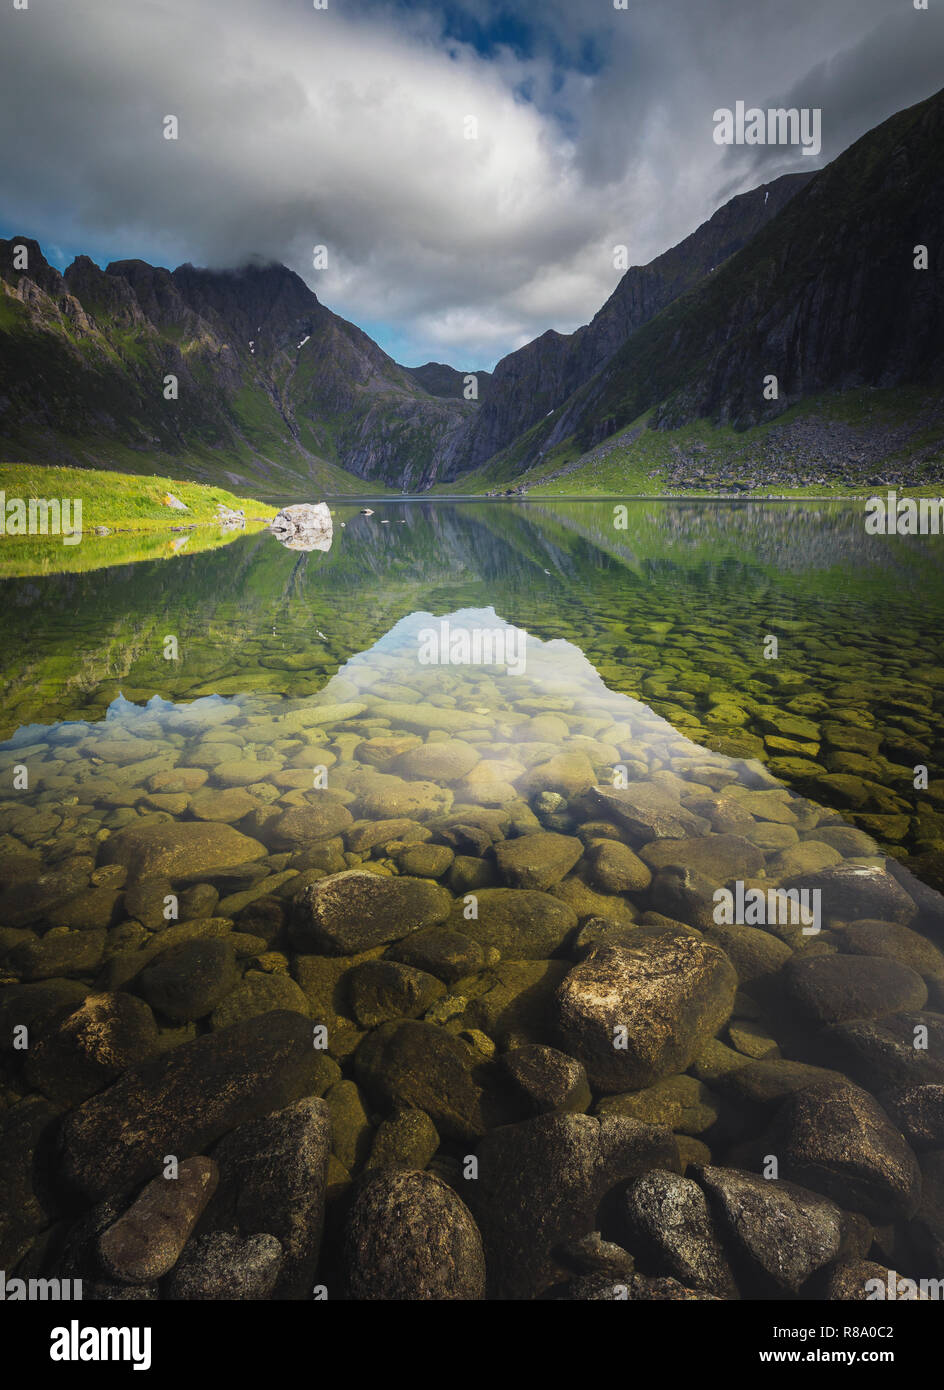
point(535, 380)
point(266, 375)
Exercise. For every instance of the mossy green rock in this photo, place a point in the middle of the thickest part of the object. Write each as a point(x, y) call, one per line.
point(381, 990)
point(521, 924)
point(425, 861)
point(419, 1065)
point(407, 1139)
point(58, 952)
point(441, 951)
point(537, 861)
point(170, 849)
point(351, 1129)
point(755, 955)
point(189, 980)
point(512, 1001)
point(615, 868)
point(259, 993)
point(353, 911)
point(720, 857)
point(679, 1102)
point(298, 828)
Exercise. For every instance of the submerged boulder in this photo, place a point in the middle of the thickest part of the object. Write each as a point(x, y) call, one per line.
point(355, 910)
point(184, 1101)
point(410, 1237)
point(633, 1015)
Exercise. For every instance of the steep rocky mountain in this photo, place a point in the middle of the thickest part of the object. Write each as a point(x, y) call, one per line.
point(273, 389)
point(827, 298)
point(534, 380)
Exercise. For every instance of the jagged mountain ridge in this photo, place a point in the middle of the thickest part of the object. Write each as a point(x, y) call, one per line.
point(269, 379)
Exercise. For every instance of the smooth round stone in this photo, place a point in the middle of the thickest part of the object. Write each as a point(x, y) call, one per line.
point(380, 990)
point(189, 980)
point(297, 828)
point(407, 1140)
point(386, 797)
point(173, 849)
point(447, 761)
point(898, 943)
point(721, 857)
point(755, 954)
point(227, 805)
point(178, 780)
point(805, 857)
point(615, 868)
point(769, 836)
point(852, 891)
point(520, 924)
point(240, 772)
point(425, 861)
point(569, 774)
point(376, 752)
point(848, 841)
point(679, 1102)
point(351, 1130)
point(440, 951)
point(58, 952)
point(839, 988)
point(411, 1063)
point(259, 993)
point(537, 861)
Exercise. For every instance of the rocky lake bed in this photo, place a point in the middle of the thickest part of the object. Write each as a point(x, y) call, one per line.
point(413, 984)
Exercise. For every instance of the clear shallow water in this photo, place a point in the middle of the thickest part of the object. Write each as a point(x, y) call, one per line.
point(302, 731)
